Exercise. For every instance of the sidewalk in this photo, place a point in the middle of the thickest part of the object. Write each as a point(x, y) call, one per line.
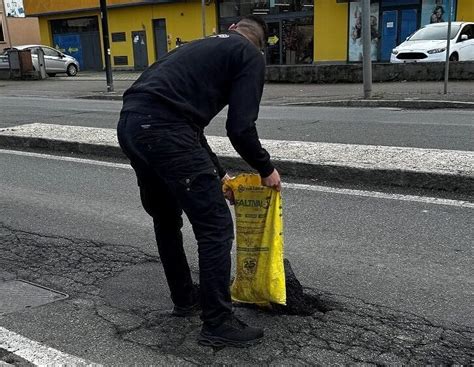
point(419, 95)
point(448, 170)
point(397, 94)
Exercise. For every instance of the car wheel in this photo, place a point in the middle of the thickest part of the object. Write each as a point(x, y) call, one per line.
point(454, 57)
point(72, 70)
point(51, 74)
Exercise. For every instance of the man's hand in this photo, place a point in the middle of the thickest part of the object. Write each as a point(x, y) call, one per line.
point(228, 194)
point(272, 181)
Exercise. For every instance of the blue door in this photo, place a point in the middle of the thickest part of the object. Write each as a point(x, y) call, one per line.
point(409, 24)
point(70, 44)
point(389, 33)
point(397, 25)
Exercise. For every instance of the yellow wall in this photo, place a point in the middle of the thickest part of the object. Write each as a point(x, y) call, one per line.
point(465, 10)
point(183, 20)
point(44, 31)
point(48, 6)
point(330, 31)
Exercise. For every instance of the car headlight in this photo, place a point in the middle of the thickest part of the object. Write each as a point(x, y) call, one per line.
point(395, 51)
point(437, 50)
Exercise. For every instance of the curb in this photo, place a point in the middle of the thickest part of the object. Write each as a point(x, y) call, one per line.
point(396, 103)
point(408, 104)
point(345, 163)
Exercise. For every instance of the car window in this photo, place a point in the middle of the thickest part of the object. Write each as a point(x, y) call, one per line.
point(50, 52)
point(34, 50)
point(468, 30)
point(438, 32)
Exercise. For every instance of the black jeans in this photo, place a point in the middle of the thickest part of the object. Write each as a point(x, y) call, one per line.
point(176, 174)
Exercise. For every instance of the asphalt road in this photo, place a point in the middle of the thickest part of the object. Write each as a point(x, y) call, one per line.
point(441, 129)
point(410, 255)
point(394, 270)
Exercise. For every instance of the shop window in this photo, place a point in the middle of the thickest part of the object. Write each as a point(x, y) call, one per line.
point(297, 41)
point(290, 24)
point(236, 8)
point(2, 36)
point(118, 37)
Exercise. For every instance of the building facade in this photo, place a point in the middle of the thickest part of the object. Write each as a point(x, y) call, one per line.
point(140, 31)
point(301, 31)
point(338, 25)
point(19, 30)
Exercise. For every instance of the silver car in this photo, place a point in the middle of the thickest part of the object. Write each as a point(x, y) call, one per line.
point(55, 61)
point(4, 64)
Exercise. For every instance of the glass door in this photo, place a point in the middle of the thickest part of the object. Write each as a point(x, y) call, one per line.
point(274, 46)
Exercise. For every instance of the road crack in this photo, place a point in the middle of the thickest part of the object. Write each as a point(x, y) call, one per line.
point(347, 330)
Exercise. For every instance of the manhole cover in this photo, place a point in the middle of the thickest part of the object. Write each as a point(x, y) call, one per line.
point(18, 295)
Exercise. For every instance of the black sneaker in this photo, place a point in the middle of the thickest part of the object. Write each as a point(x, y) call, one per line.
point(185, 311)
point(232, 333)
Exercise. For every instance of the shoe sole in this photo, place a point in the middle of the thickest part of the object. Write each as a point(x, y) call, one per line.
point(216, 342)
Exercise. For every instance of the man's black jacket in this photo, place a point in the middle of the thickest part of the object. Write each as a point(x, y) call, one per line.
point(197, 80)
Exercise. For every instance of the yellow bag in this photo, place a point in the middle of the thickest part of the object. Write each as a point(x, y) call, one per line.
point(260, 276)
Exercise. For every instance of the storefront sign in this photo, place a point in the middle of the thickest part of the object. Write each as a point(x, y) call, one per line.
point(14, 8)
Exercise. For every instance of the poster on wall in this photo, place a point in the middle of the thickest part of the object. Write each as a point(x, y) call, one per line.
point(355, 31)
point(436, 11)
point(14, 8)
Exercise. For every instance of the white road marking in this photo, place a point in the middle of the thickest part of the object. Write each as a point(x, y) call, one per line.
point(381, 195)
point(67, 159)
point(36, 353)
point(293, 186)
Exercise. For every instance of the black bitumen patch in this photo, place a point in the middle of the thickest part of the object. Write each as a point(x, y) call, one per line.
point(298, 302)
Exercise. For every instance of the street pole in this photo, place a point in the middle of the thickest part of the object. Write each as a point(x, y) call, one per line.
point(366, 47)
point(203, 17)
point(106, 44)
point(5, 23)
point(448, 44)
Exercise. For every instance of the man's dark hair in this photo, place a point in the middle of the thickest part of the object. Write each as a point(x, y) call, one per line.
point(259, 20)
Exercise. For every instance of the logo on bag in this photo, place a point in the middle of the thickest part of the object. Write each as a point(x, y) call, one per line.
point(242, 188)
point(253, 203)
point(249, 266)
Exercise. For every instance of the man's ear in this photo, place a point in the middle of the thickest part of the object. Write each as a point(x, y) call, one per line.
point(232, 27)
